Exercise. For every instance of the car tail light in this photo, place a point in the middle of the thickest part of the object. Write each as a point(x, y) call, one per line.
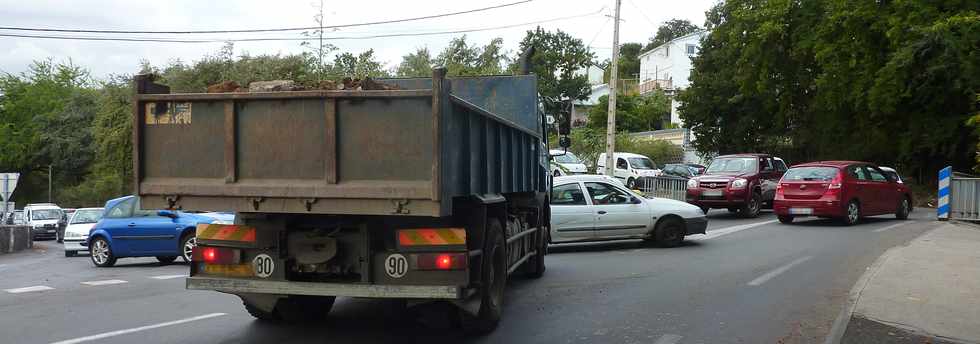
point(440, 261)
point(833, 189)
point(217, 255)
point(779, 189)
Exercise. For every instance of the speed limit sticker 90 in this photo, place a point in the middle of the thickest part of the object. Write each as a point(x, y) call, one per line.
point(396, 265)
point(263, 265)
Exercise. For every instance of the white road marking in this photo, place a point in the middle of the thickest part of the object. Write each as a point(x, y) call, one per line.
point(28, 289)
point(104, 282)
point(729, 230)
point(166, 277)
point(882, 229)
point(769, 275)
point(668, 339)
point(137, 329)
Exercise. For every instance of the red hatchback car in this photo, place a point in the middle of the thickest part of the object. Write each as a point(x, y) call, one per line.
point(847, 190)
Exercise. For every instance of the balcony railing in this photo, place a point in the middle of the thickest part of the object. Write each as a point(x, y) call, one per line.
point(655, 84)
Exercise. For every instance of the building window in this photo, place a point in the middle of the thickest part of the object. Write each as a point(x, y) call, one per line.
point(692, 49)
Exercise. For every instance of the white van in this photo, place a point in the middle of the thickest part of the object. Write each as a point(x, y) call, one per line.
point(46, 220)
point(629, 167)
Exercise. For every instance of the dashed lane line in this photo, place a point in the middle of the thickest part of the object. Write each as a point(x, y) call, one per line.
point(137, 329)
point(104, 282)
point(166, 277)
point(668, 339)
point(28, 289)
point(729, 230)
point(771, 274)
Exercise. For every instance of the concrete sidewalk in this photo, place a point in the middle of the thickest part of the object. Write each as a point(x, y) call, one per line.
point(926, 292)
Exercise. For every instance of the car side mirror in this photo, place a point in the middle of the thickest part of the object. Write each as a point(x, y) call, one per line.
point(167, 213)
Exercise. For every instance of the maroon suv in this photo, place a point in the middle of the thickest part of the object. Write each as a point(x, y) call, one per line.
point(741, 183)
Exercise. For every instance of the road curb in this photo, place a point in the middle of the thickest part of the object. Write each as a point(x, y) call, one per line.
point(840, 324)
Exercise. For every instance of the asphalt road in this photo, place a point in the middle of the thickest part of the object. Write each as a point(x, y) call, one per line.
point(746, 281)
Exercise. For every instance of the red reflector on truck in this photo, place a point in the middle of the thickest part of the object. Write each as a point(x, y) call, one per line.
point(217, 255)
point(233, 233)
point(431, 236)
point(440, 261)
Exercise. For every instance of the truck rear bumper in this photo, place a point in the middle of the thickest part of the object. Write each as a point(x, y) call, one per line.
point(236, 285)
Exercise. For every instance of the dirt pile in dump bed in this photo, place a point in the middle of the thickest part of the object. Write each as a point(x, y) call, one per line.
point(346, 84)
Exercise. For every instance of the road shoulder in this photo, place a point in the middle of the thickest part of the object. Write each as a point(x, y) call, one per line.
point(929, 289)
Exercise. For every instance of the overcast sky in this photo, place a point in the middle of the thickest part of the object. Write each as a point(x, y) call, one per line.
point(640, 20)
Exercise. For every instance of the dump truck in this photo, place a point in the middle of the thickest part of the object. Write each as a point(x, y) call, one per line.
point(433, 189)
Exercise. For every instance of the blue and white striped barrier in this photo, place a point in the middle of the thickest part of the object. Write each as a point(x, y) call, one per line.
point(942, 210)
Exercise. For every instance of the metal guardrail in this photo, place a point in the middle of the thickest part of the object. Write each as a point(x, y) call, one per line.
point(663, 187)
point(959, 196)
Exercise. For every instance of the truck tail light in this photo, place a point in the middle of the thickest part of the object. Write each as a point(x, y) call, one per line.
point(440, 261)
point(217, 255)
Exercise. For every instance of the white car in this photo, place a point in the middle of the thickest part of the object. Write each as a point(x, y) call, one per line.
point(565, 163)
point(596, 207)
point(45, 220)
point(81, 221)
point(629, 167)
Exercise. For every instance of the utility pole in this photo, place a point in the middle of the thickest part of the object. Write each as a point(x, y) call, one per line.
point(613, 87)
point(49, 183)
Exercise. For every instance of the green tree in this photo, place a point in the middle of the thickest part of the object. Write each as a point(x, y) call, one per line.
point(417, 64)
point(629, 62)
point(461, 58)
point(360, 66)
point(557, 56)
point(633, 112)
point(668, 31)
point(889, 82)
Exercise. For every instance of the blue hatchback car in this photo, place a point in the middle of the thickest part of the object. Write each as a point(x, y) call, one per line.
point(126, 230)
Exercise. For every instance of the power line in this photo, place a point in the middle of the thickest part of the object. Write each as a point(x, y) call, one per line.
point(176, 40)
point(266, 30)
point(638, 9)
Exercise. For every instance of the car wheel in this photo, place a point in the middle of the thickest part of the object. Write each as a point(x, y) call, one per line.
point(751, 208)
point(853, 213)
point(166, 259)
point(631, 183)
point(70, 253)
point(102, 253)
point(902, 213)
point(785, 219)
point(669, 232)
point(187, 245)
point(493, 278)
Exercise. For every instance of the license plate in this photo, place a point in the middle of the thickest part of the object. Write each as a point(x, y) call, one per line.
point(237, 270)
point(711, 192)
point(801, 211)
point(50, 231)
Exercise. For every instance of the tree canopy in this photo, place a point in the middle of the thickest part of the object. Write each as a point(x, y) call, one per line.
point(557, 56)
point(889, 82)
point(668, 31)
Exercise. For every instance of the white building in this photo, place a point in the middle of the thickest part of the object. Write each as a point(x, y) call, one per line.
point(580, 108)
point(668, 67)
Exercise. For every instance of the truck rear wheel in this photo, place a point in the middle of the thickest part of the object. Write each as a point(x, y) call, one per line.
point(493, 278)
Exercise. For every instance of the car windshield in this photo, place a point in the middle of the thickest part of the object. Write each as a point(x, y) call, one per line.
point(810, 173)
point(642, 163)
point(46, 214)
point(733, 165)
point(87, 216)
point(567, 158)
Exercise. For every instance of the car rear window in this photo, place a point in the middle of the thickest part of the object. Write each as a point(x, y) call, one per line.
point(810, 173)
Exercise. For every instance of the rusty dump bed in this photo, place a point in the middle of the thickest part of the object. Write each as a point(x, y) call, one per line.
point(408, 151)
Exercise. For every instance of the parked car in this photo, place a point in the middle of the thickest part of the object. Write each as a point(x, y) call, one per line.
point(741, 183)
point(566, 163)
point(629, 167)
point(126, 230)
point(699, 168)
point(680, 170)
point(45, 219)
point(847, 190)
point(16, 218)
point(597, 207)
point(79, 224)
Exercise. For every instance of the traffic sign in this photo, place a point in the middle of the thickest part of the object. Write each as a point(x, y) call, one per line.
point(8, 181)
